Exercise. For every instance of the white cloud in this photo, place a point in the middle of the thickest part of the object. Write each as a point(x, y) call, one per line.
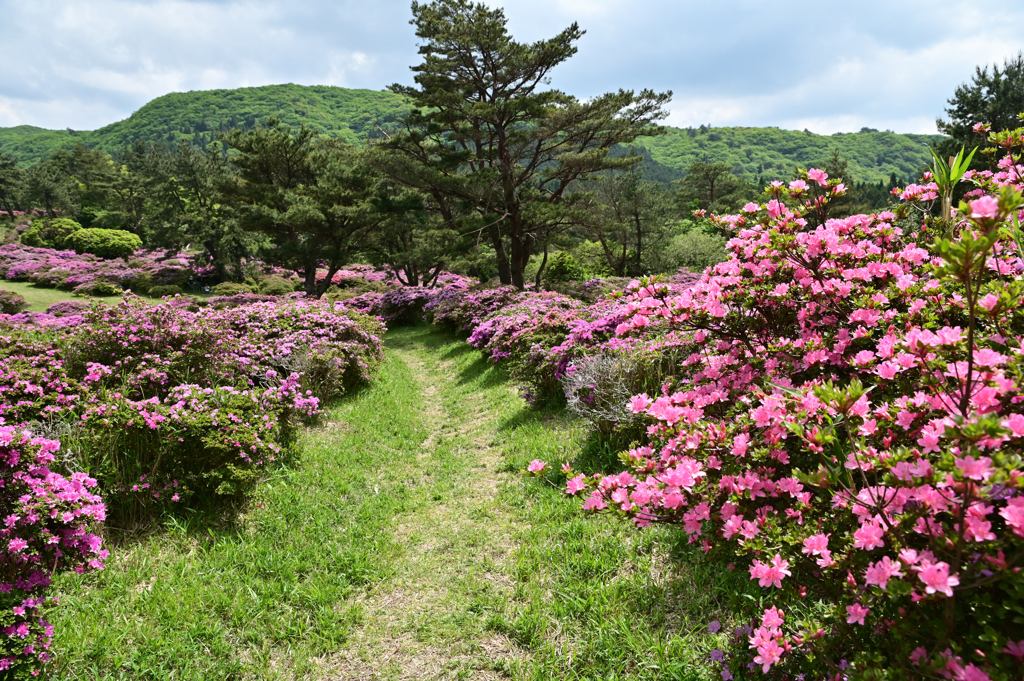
point(876, 63)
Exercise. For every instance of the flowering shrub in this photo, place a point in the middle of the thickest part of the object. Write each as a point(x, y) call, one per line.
point(70, 271)
point(195, 401)
point(48, 524)
point(11, 303)
point(846, 427)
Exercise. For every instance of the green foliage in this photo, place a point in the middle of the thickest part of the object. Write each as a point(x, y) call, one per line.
point(198, 117)
point(100, 288)
point(50, 233)
point(11, 303)
point(105, 243)
point(771, 153)
point(695, 250)
point(164, 290)
point(230, 288)
point(564, 267)
point(712, 187)
point(277, 286)
point(993, 98)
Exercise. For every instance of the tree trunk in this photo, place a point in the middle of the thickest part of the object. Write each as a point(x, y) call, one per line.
point(639, 243)
point(540, 270)
point(504, 272)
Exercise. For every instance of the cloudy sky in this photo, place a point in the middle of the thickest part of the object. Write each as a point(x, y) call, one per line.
point(828, 67)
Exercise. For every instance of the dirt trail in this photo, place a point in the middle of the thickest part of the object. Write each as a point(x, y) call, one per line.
point(429, 620)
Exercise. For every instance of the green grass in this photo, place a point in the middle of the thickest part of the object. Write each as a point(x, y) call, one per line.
point(39, 298)
point(402, 543)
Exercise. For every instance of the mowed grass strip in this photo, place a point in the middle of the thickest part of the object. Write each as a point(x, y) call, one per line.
point(262, 596)
point(404, 544)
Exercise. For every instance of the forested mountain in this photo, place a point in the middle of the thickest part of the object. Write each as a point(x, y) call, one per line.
point(354, 114)
point(771, 152)
point(199, 116)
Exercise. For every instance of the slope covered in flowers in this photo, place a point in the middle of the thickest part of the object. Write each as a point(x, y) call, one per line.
point(836, 411)
point(154, 406)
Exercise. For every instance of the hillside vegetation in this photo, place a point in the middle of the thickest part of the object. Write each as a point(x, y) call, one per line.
point(199, 116)
point(353, 115)
point(771, 152)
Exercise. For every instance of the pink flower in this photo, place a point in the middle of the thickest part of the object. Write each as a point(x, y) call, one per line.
point(937, 579)
point(819, 176)
point(770, 574)
point(869, 536)
point(980, 469)
point(856, 613)
point(576, 485)
point(985, 207)
point(972, 673)
point(1013, 514)
point(537, 466)
point(772, 618)
point(768, 654)
point(880, 573)
point(989, 301)
point(640, 403)
point(1015, 648)
point(815, 544)
point(1015, 422)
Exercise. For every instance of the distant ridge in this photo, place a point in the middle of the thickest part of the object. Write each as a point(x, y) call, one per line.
point(353, 115)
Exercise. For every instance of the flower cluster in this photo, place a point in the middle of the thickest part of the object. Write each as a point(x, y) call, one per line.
point(205, 397)
point(48, 527)
point(844, 421)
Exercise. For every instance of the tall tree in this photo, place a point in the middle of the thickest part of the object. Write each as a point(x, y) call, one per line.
point(11, 179)
point(629, 218)
point(311, 196)
point(190, 211)
point(711, 187)
point(994, 97)
point(487, 134)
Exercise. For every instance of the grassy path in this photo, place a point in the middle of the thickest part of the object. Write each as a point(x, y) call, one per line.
point(403, 544)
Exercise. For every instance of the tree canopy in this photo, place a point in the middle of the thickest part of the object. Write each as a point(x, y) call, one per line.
point(485, 132)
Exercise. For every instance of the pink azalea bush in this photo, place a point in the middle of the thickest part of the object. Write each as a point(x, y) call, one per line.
point(161, 402)
point(845, 426)
point(49, 526)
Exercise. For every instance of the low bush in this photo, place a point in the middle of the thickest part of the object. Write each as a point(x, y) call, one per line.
point(565, 267)
point(105, 243)
point(11, 302)
point(66, 308)
point(276, 286)
point(99, 288)
point(50, 233)
point(165, 290)
point(230, 288)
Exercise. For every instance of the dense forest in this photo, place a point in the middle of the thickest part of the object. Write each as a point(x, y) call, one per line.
point(350, 115)
point(357, 115)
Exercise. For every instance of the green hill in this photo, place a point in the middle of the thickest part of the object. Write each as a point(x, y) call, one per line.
point(771, 152)
point(354, 114)
point(199, 116)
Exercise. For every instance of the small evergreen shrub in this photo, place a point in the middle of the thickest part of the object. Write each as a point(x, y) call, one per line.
point(105, 243)
point(565, 267)
point(276, 286)
point(50, 233)
point(66, 308)
point(161, 291)
point(230, 288)
point(12, 303)
point(99, 288)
